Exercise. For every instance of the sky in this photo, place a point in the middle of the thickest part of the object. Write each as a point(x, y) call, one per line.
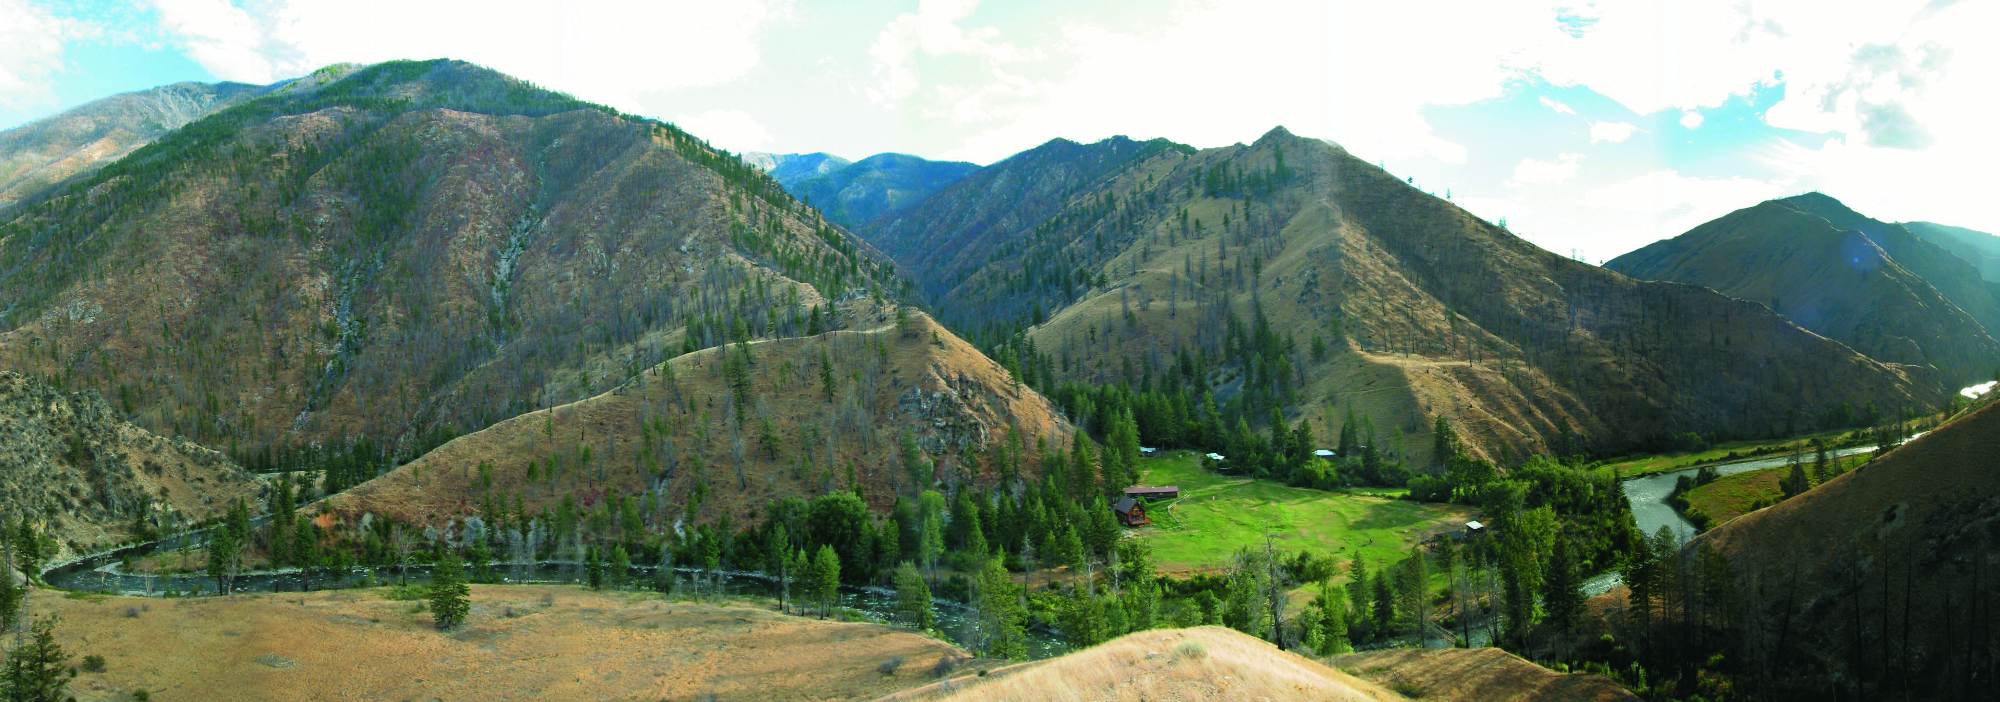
point(1591, 128)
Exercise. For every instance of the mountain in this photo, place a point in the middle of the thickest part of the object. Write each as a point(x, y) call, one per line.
point(688, 426)
point(792, 168)
point(941, 239)
point(1890, 566)
point(882, 185)
point(359, 265)
point(1837, 280)
point(47, 151)
point(1980, 249)
point(87, 477)
point(1288, 274)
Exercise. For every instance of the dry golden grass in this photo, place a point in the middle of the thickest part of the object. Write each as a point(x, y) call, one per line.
point(520, 643)
point(1481, 674)
point(1205, 663)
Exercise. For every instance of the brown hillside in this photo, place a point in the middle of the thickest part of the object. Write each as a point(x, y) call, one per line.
point(1893, 565)
point(1204, 663)
point(1478, 675)
point(1427, 309)
point(675, 427)
point(401, 251)
point(71, 465)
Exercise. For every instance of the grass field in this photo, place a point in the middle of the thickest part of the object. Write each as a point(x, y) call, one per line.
point(1732, 496)
point(1217, 514)
point(521, 642)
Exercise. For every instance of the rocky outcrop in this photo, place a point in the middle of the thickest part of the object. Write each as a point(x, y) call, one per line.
point(71, 465)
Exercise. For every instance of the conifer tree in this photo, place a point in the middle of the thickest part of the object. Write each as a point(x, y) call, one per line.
point(38, 670)
point(450, 597)
point(913, 598)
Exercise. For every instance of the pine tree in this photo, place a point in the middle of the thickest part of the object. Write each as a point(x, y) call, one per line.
point(11, 593)
point(450, 597)
point(1562, 593)
point(38, 670)
point(913, 598)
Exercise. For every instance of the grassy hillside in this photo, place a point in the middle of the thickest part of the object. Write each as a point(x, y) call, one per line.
point(48, 151)
point(1288, 273)
point(1839, 281)
point(72, 467)
point(519, 643)
point(1218, 514)
point(687, 426)
point(397, 253)
point(1205, 663)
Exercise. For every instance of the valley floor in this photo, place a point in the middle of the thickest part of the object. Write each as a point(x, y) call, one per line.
point(521, 642)
point(1218, 514)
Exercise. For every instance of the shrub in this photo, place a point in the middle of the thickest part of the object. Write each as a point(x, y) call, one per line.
point(1190, 649)
point(890, 666)
point(93, 663)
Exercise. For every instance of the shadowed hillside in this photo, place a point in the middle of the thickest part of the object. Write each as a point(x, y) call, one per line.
point(1478, 675)
point(723, 431)
point(71, 466)
point(1839, 280)
point(1289, 274)
point(883, 185)
point(369, 261)
point(1876, 584)
point(1980, 249)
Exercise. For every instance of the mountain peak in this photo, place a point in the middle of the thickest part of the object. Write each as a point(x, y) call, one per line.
point(1277, 133)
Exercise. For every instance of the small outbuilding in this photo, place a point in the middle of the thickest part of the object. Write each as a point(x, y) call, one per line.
point(1131, 512)
point(1474, 529)
point(1327, 454)
point(1148, 452)
point(1153, 492)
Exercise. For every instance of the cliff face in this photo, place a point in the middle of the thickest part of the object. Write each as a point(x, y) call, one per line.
point(1250, 259)
point(69, 464)
point(401, 252)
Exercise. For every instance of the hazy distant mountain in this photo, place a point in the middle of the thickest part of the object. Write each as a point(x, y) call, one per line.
point(42, 153)
point(792, 168)
point(879, 186)
point(1290, 274)
point(1870, 284)
point(402, 251)
point(1980, 249)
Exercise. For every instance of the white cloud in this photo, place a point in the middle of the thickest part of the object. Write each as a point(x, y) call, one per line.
point(1611, 132)
point(617, 53)
point(31, 52)
point(1664, 203)
point(1691, 120)
point(1532, 171)
point(1558, 107)
point(222, 38)
point(735, 130)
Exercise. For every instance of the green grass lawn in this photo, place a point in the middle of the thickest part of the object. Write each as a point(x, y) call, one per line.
point(1217, 514)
